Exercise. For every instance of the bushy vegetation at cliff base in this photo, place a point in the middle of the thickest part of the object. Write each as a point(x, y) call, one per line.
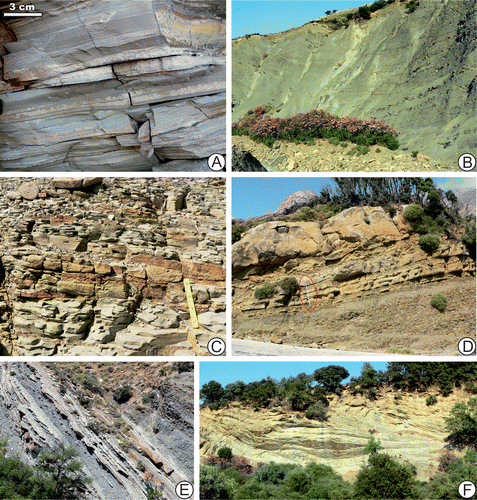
point(306, 127)
point(382, 477)
point(58, 475)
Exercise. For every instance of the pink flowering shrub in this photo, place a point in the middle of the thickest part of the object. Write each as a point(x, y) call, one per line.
point(316, 123)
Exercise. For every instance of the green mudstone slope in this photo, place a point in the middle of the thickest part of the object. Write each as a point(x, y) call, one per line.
point(416, 70)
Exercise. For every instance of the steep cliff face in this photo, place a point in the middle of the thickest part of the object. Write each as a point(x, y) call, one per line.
point(45, 405)
point(405, 426)
point(414, 69)
point(364, 284)
point(92, 266)
point(113, 85)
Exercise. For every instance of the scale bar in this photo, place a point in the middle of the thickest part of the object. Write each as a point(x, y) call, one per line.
point(23, 14)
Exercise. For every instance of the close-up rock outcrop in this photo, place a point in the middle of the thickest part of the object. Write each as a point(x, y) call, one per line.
point(97, 266)
point(412, 67)
point(124, 440)
point(363, 283)
point(112, 85)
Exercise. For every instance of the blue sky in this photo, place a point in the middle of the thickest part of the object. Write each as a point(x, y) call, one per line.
point(264, 17)
point(248, 371)
point(252, 196)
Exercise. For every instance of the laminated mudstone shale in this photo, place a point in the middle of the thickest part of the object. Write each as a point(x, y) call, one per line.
point(130, 424)
point(112, 85)
point(97, 266)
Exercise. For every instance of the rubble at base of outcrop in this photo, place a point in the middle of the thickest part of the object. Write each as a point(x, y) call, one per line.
point(364, 283)
point(96, 267)
point(113, 85)
point(244, 161)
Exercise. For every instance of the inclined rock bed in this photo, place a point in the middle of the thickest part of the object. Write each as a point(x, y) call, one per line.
point(362, 266)
point(96, 267)
point(113, 85)
point(36, 413)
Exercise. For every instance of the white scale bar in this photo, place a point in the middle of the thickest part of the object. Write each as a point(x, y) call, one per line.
point(23, 14)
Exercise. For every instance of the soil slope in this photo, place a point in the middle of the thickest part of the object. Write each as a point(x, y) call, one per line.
point(414, 69)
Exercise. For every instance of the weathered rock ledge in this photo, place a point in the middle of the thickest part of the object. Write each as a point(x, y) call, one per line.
point(92, 266)
point(363, 278)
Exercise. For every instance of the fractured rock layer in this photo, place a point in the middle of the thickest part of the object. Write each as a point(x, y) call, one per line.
point(42, 406)
point(124, 86)
point(94, 266)
point(365, 284)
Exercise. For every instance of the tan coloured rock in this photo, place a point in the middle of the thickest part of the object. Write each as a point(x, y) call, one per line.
point(407, 428)
point(29, 190)
point(75, 182)
point(351, 224)
point(273, 243)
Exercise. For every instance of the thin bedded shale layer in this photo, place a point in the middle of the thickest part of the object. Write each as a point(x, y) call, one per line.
point(40, 410)
point(117, 85)
point(92, 267)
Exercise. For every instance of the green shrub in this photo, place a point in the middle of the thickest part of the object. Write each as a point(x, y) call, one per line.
point(414, 154)
point(439, 302)
point(412, 5)
point(429, 242)
point(183, 366)
point(304, 214)
point(431, 400)
point(334, 140)
point(378, 150)
point(367, 221)
point(266, 291)
point(149, 397)
point(225, 452)
point(372, 446)
point(414, 214)
point(392, 211)
point(317, 411)
point(289, 286)
point(364, 12)
point(123, 394)
point(343, 144)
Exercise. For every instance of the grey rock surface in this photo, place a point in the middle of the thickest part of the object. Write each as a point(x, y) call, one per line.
point(42, 407)
point(112, 85)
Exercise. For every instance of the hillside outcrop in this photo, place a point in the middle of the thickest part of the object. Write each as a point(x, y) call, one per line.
point(113, 85)
point(410, 68)
point(364, 284)
point(45, 405)
point(97, 266)
point(407, 428)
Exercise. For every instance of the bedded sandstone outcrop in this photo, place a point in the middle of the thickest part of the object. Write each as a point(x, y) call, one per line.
point(100, 269)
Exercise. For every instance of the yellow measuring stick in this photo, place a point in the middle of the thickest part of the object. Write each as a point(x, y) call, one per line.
point(190, 302)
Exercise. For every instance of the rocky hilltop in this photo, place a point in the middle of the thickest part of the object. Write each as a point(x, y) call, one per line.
point(413, 69)
point(407, 428)
point(364, 284)
point(45, 405)
point(96, 266)
point(112, 85)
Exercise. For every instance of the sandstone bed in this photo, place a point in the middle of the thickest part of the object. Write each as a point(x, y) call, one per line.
point(113, 85)
point(41, 406)
point(368, 285)
point(407, 428)
point(96, 266)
